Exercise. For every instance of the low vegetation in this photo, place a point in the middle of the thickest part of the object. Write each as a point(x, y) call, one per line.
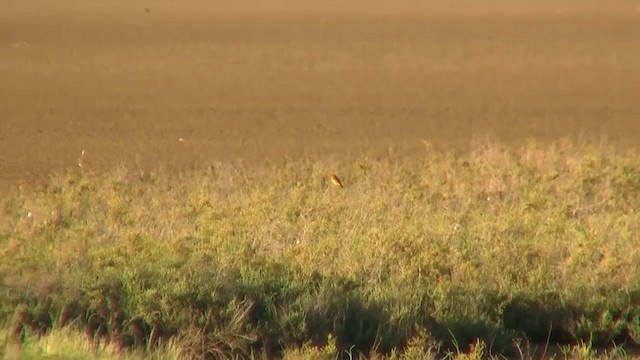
point(498, 251)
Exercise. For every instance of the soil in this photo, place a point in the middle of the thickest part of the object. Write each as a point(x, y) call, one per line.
point(160, 84)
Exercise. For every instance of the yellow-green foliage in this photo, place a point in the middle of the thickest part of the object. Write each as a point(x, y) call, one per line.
point(484, 248)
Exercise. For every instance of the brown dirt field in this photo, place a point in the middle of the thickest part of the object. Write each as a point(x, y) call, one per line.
point(126, 80)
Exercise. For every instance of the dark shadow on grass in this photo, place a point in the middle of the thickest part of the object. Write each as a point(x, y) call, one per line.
point(267, 311)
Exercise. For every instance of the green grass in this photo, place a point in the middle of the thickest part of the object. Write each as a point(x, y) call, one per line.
point(496, 251)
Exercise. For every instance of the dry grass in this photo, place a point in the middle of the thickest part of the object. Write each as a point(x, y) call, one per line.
point(499, 246)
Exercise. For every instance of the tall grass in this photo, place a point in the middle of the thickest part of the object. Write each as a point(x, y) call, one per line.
point(444, 254)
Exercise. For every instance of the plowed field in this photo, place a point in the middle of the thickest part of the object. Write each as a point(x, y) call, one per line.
point(153, 83)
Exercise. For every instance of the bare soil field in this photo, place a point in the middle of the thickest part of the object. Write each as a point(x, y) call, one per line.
point(182, 86)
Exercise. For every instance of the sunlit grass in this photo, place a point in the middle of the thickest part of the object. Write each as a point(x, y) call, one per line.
point(430, 255)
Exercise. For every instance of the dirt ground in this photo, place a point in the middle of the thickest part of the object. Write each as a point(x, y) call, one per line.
point(153, 83)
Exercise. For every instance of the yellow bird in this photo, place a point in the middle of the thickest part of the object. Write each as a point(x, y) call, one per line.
point(335, 181)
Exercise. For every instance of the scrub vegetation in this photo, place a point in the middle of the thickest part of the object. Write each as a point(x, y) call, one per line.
point(524, 252)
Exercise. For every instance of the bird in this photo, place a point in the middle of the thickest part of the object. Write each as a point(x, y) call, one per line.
point(335, 181)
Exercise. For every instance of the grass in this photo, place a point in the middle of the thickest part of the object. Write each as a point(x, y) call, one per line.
point(496, 252)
